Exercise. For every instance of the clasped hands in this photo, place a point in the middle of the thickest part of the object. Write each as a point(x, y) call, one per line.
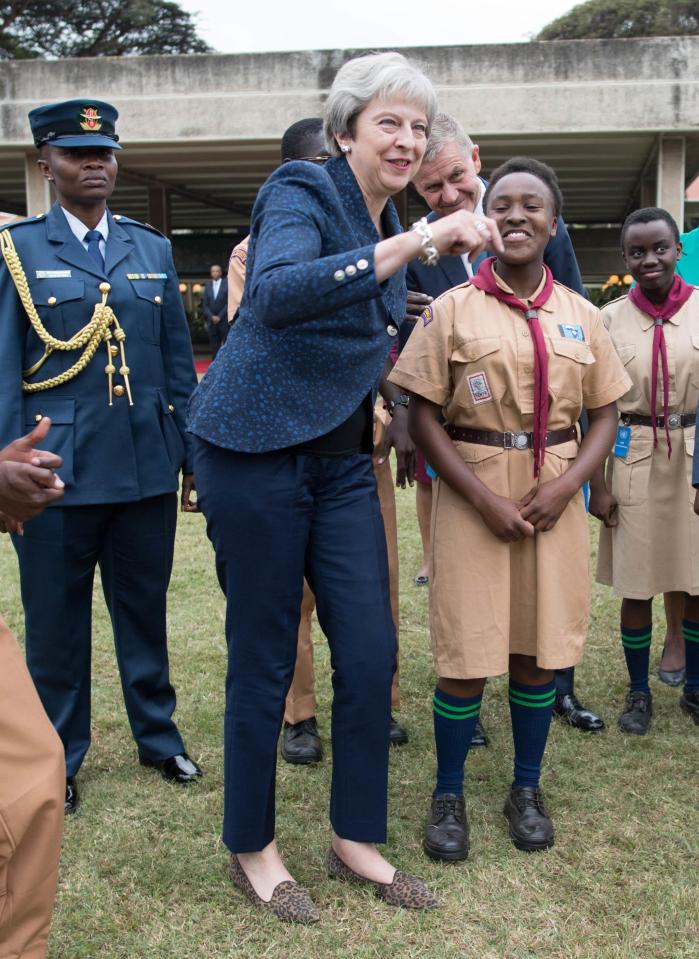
point(536, 512)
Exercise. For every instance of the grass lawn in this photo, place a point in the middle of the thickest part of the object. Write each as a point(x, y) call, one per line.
point(144, 870)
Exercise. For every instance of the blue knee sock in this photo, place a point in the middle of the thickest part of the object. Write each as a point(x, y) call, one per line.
point(636, 643)
point(691, 652)
point(530, 709)
point(454, 721)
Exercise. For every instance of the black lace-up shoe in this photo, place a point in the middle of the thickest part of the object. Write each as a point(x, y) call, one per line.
point(689, 703)
point(301, 744)
point(569, 709)
point(637, 713)
point(531, 828)
point(446, 834)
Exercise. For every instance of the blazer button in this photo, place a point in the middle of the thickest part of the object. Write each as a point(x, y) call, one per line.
point(170, 408)
point(113, 350)
point(339, 275)
point(392, 330)
point(119, 390)
point(350, 270)
point(362, 264)
point(52, 301)
point(37, 418)
point(105, 287)
point(157, 299)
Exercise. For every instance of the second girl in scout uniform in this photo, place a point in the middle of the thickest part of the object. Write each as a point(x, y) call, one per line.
point(650, 540)
point(509, 361)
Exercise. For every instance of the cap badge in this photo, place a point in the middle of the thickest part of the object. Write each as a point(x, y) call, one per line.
point(90, 119)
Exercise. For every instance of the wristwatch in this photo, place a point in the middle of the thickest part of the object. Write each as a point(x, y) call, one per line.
point(402, 400)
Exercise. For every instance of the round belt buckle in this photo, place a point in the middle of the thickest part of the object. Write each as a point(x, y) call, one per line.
point(674, 420)
point(521, 441)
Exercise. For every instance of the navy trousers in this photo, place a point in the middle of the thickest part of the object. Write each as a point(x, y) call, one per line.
point(273, 518)
point(133, 544)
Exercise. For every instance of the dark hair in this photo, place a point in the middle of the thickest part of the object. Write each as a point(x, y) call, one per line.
point(527, 165)
point(649, 214)
point(296, 140)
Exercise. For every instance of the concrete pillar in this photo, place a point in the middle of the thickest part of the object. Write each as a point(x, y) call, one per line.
point(38, 189)
point(159, 210)
point(671, 177)
point(648, 192)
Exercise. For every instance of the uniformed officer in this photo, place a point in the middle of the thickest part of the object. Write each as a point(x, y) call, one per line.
point(94, 335)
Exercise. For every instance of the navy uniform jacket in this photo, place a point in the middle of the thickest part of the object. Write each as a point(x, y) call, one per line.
point(559, 256)
point(111, 454)
point(314, 327)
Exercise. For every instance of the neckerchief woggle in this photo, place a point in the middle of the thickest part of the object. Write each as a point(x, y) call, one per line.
point(679, 293)
point(485, 280)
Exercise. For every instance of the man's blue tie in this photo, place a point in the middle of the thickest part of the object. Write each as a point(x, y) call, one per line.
point(93, 237)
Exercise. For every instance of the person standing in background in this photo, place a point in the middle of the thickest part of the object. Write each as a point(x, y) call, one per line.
point(214, 307)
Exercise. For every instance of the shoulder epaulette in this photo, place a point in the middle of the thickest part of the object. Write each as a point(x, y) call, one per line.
point(617, 299)
point(23, 222)
point(127, 221)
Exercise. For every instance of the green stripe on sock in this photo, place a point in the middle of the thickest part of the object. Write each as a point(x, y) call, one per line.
point(437, 706)
point(459, 710)
point(637, 642)
point(516, 698)
point(690, 635)
point(532, 696)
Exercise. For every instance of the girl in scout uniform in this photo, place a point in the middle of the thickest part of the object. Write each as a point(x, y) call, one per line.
point(650, 540)
point(508, 360)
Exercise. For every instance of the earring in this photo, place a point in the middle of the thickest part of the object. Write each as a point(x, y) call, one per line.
point(346, 148)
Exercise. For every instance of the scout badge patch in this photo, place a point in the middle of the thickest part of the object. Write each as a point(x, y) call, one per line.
point(427, 316)
point(478, 385)
point(569, 331)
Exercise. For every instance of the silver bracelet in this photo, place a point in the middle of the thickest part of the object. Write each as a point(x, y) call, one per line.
point(428, 251)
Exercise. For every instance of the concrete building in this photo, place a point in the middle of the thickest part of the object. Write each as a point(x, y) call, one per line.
point(617, 119)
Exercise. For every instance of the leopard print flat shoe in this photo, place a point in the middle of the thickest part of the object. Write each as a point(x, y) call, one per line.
point(290, 902)
point(406, 892)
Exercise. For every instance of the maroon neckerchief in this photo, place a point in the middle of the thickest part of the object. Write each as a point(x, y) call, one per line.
point(485, 280)
point(679, 293)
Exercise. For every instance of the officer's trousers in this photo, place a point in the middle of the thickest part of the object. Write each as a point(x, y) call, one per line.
point(32, 789)
point(301, 701)
point(133, 544)
point(272, 518)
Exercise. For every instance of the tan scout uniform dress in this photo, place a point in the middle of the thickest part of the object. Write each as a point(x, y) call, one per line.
point(488, 599)
point(655, 547)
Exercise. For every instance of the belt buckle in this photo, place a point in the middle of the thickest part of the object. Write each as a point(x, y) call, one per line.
point(674, 421)
point(625, 419)
point(515, 441)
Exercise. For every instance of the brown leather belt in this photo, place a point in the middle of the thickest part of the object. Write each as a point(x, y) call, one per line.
point(509, 441)
point(675, 421)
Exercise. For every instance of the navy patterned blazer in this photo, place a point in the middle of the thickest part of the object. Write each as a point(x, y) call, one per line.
point(314, 327)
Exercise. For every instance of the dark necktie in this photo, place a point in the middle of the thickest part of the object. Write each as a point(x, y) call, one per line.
point(92, 238)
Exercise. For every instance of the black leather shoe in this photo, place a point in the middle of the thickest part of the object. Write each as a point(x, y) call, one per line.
point(479, 737)
point(446, 834)
point(177, 769)
point(567, 708)
point(531, 828)
point(301, 744)
point(638, 710)
point(398, 734)
point(72, 798)
point(689, 703)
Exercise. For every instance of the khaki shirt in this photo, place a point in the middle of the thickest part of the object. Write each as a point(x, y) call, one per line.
point(236, 276)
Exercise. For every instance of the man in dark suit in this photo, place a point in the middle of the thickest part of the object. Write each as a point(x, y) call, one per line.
point(95, 337)
point(215, 307)
point(448, 181)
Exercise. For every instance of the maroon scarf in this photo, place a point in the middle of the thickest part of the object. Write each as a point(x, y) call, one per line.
point(679, 293)
point(485, 280)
